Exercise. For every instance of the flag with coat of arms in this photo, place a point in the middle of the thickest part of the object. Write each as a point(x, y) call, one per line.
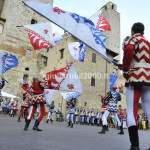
point(64, 79)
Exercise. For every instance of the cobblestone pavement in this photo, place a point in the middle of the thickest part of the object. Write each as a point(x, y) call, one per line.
point(57, 136)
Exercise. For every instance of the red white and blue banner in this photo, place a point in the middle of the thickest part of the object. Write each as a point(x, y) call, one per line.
point(80, 27)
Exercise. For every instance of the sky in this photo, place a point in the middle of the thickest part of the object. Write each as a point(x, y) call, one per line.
point(131, 11)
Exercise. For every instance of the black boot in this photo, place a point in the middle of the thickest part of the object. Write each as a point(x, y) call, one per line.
point(134, 148)
point(36, 124)
point(134, 137)
point(68, 124)
point(103, 130)
point(27, 122)
point(19, 119)
point(107, 128)
point(71, 125)
point(47, 120)
point(121, 130)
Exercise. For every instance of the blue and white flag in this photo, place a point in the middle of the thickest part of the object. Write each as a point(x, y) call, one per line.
point(70, 95)
point(7, 61)
point(112, 80)
point(80, 19)
point(77, 50)
point(57, 38)
point(48, 95)
point(80, 27)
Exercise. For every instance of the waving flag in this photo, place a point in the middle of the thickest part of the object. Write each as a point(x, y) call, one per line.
point(57, 38)
point(80, 19)
point(77, 50)
point(112, 80)
point(103, 24)
point(48, 95)
point(65, 79)
point(55, 78)
point(40, 35)
point(80, 27)
point(7, 61)
point(70, 95)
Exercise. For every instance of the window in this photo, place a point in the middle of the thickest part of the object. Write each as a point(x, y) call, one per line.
point(45, 59)
point(93, 57)
point(112, 6)
point(61, 53)
point(93, 81)
point(85, 103)
point(105, 7)
point(33, 21)
point(27, 69)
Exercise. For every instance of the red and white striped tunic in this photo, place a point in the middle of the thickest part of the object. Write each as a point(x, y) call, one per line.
point(137, 59)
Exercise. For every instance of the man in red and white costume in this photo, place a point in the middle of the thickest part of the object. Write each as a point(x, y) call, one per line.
point(37, 92)
point(136, 67)
point(26, 97)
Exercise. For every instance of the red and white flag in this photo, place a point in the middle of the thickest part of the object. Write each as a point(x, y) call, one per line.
point(65, 79)
point(40, 35)
point(103, 24)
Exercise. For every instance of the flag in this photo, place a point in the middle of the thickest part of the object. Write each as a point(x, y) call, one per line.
point(103, 24)
point(54, 78)
point(48, 95)
point(40, 35)
point(112, 80)
point(57, 38)
point(70, 95)
point(80, 19)
point(80, 27)
point(77, 50)
point(7, 61)
point(65, 79)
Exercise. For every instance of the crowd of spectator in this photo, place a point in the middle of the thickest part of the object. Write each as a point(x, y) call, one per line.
point(9, 106)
